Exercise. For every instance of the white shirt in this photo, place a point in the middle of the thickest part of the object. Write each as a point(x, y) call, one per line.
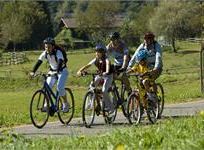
point(52, 58)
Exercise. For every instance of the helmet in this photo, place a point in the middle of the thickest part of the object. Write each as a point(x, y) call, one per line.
point(114, 36)
point(49, 40)
point(100, 48)
point(149, 35)
point(142, 54)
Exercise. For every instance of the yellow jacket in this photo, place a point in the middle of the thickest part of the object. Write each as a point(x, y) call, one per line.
point(139, 68)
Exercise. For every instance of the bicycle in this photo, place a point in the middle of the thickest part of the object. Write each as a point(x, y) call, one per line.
point(39, 113)
point(93, 103)
point(121, 97)
point(138, 102)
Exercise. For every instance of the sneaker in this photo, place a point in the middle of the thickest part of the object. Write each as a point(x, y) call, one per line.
point(65, 108)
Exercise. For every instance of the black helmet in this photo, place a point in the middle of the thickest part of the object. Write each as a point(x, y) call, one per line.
point(49, 40)
point(100, 48)
point(114, 36)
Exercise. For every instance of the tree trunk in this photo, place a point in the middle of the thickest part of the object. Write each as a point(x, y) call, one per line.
point(14, 47)
point(173, 44)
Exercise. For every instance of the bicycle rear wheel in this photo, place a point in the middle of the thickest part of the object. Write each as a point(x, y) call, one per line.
point(160, 96)
point(66, 117)
point(110, 117)
point(153, 110)
point(88, 110)
point(133, 109)
point(39, 113)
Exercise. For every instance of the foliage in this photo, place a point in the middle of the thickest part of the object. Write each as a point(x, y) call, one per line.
point(98, 16)
point(64, 37)
point(180, 20)
point(182, 133)
point(22, 22)
point(137, 23)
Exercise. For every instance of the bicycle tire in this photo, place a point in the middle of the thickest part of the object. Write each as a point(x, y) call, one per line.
point(124, 99)
point(133, 109)
point(88, 119)
point(110, 118)
point(160, 95)
point(66, 117)
point(40, 106)
point(152, 114)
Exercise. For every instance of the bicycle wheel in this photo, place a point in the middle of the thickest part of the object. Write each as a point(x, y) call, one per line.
point(160, 95)
point(110, 117)
point(66, 117)
point(88, 110)
point(39, 113)
point(133, 109)
point(124, 97)
point(153, 110)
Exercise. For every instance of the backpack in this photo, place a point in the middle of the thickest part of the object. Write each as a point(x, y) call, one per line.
point(63, 53)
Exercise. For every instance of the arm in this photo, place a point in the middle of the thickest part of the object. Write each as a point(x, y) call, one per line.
point(125, 61)
point(125, 57)
point(36, 66)
point(39, 62)
point(60, 60)
point(134, 57)
point(158, 61)
point(107, 67)
point(85, 67)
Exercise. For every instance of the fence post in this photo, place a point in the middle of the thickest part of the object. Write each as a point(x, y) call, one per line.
point(202, 66)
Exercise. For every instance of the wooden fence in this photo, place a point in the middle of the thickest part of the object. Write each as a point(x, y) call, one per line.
point(12, 58)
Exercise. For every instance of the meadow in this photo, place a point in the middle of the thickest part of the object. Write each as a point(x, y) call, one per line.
point(180, 78)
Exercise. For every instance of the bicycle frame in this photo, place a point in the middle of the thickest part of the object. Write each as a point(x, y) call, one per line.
point(50, 93)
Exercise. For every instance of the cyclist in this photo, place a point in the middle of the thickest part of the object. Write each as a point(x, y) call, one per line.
point(154, 60)
point(53, 54)
point(118, 50)
point(105, 74)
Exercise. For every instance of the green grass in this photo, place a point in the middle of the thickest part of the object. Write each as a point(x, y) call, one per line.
point(181, 134)
point(180, 78)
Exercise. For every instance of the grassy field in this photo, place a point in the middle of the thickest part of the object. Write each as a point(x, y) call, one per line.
point(181, 134)
point(180, 78)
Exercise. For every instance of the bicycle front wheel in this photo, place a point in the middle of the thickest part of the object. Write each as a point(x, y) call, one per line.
point(39, 109)
point(66, 117)
point(133, 109)
point(88, 110)
point(160, 96)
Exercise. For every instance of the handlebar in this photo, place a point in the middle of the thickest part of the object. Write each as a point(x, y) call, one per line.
point(85, 73)
point(45, 75)
point(141, 75)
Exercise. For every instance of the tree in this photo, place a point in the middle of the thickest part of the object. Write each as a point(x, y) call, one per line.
point(137, 22)
point(176, 20)
point(64, 37)
point(97, 17)
point(20, 20)
point(64, 9)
